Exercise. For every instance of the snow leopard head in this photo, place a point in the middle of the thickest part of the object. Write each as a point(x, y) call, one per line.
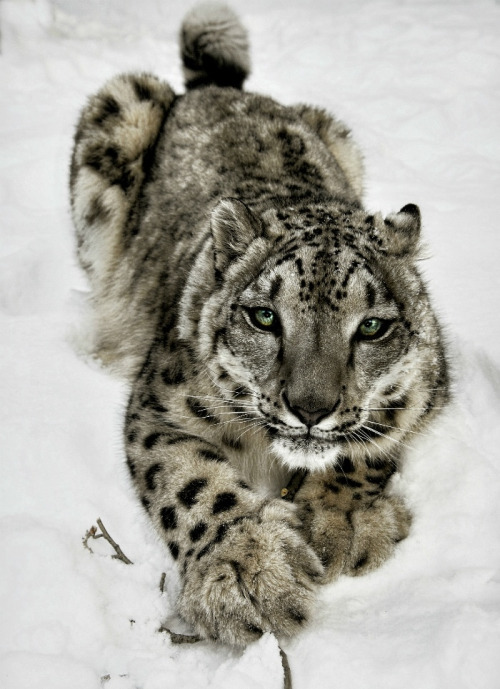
point(319, 327)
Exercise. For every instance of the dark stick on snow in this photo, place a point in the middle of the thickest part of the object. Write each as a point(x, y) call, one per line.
point(286, 669)
point(92, 533)
point(181, 638)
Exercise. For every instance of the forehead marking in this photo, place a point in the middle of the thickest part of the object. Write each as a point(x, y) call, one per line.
point(275, 287)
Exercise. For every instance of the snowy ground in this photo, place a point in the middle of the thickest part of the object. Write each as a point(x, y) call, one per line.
point(419, 83)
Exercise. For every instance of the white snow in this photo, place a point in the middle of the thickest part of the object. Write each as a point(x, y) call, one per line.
point(419, 83)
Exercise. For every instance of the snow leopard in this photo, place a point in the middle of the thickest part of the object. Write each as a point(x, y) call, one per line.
point(278, 338)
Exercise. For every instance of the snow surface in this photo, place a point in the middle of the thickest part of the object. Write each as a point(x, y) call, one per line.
point(419, 83)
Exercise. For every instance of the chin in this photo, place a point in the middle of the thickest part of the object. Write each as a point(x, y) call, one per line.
point(305, 453)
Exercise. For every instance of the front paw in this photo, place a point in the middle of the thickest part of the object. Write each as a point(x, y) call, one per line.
point(355, 541)
point(376, 530)
point(256, 575)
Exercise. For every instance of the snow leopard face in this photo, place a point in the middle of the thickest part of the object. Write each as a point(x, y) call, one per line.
point(326, 336)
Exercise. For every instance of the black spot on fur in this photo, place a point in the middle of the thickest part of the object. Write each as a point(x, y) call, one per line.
point(172, 376)
point(151, 401)
point(380, 480)
point(132, 436)
point(189, 494)
point(370, 296)
point(253, 629)
point(232, 443)
point(200, 411)
point(97, 213)
point(220, 334)
point(211, 456)
point(224, 502)
point(168, 518)
point(125, 179)
point(209, 547)
point(150, 476)
point(331, 487)
point(151, 440)
point(293, 144)
point(131, 467)
point(344, 465)
point(361, 562)
point(296, 615)
point(142, 91)
point(174, 549)
point(221, 533)
point(275, 287)
point(175, 440)
point(349, 482)
point(109, 108)
point(146, 504)
point(376, 463)
point(197, 531)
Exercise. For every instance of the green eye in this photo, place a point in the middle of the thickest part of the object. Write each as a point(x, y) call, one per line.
point(372, 327)
point(265, 319)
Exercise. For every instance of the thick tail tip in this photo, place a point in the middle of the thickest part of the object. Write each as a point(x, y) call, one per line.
point(214, 47)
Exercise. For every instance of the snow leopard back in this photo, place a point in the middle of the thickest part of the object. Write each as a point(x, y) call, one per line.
point(121, 162)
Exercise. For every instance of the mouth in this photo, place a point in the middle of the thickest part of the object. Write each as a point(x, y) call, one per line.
point(305, 451)
point(315, 449)
point(312, 436)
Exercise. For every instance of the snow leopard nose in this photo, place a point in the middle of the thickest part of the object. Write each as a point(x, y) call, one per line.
point(309, 417)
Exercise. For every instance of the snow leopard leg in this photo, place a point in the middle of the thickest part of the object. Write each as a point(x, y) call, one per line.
point(114, 148)
point(114, 143)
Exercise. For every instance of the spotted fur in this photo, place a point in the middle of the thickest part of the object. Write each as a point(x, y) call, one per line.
point(192, 213)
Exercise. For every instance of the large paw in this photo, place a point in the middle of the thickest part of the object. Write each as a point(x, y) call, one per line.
point(257, 575)
point(356, 541)
point(376, 530)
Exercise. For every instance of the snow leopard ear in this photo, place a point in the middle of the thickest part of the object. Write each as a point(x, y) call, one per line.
point(402, 230)
point(234, 227)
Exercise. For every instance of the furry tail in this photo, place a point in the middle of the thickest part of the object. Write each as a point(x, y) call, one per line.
point(214, 47)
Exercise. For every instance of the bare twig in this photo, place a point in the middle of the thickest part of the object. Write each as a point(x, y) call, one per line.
point(162, 582)
point(294, 485)
point(181, 638)
point(286, 669)
point(92, 533)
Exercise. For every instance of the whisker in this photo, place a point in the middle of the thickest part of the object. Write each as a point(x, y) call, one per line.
point(397, 408)
point(222, 403)
point(395, 428)
point(385, 452)
point(387, 437)
point(251, 427)
point(217, 417)
point(362, 443)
